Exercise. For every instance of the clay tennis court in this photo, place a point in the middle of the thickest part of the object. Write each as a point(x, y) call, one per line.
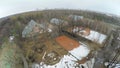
point(67, 43)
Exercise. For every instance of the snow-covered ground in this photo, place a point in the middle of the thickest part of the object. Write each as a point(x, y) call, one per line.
point(69, 61)
point(80, 52)
point(93, 36)
point(112, 66)
point(96, 37)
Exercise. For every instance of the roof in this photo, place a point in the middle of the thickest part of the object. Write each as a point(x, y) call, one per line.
point(87, 31)
point(33, 27)
point(76, 17)
point(28, 28)
point(56, 21)
point(67, 43)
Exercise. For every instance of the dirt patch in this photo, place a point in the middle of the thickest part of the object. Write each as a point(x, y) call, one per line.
point(67, 43)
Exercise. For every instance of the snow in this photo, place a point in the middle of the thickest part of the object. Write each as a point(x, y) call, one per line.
point(113, 65)
point(11, 38)
point(96, 36)
point(117, 66)
point(49, 30)
point(69, 61)
point(76, 29)
point(66, 62)
point(56, 21)
point(89, 64)
point(82, 50)
point(118, 38)
point(76, 17)
point(93, 36)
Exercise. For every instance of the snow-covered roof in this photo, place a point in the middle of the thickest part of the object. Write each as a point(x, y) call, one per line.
point(28, 28)
point(56, 21)
point(31, 25)
point(75, 17)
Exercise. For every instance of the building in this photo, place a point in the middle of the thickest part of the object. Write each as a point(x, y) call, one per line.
point(56, 21)
point(75, 17)
point(33, 28)
point(81, 30)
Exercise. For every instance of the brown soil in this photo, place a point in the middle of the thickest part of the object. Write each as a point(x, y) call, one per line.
point(67, 43)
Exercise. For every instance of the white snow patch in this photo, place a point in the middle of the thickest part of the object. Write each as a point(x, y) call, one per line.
point(80, 52)
point(49, 30)
point(11, 38)
point(96, 36)
point(69, 61)
point(111, 66)
point(93, 36)
point(66, 62)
